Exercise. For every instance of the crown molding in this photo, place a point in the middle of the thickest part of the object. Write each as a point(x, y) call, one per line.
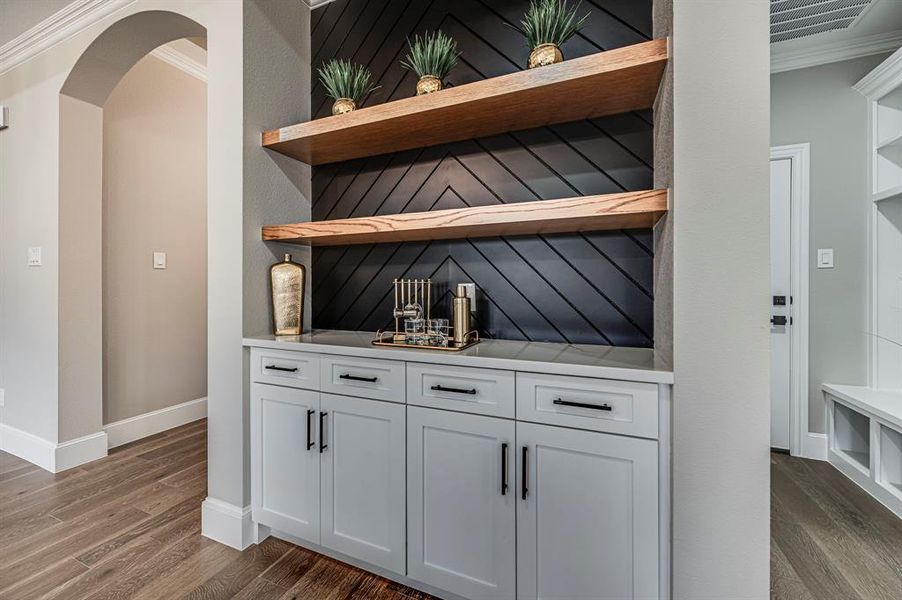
point(833, 51)
point(56, 28)
point(182, 61)
point(883, 79)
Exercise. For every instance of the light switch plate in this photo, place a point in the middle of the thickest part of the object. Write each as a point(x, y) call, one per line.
point(159, 260)
point(825, 258)
point(34, 256)
point(2, 397)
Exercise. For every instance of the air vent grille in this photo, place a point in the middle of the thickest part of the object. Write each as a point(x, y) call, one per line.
point(791, 19)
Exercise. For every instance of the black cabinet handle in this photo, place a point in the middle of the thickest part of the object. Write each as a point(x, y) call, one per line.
point(310, 442)
point(504, 468)
point(561, 402)
point(524, 489)
point(357, 378)
point(441, 388)
point(322, 432)
point(285, 369)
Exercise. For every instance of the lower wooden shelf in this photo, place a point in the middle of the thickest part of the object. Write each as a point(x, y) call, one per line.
point(627, 210)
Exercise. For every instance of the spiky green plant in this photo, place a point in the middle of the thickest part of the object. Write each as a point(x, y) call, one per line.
point(344, 79)
point(434, 54)
point(551, 22)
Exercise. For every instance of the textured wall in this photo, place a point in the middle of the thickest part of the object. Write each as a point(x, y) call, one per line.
point(592, 288)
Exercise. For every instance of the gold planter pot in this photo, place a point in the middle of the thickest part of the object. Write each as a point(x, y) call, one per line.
point(428, 84)
point(343, 105)
point(545, 54)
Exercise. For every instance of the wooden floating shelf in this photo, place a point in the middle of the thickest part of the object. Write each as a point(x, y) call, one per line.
point(600, 84)
point(628, 210)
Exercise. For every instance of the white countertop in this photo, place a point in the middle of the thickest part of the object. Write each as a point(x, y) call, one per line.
point(609, 362)
point(885, 404)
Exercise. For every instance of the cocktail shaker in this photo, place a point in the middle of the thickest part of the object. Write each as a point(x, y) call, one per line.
point(460, 311)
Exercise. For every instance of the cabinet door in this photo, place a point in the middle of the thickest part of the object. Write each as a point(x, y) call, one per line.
point(285, 460)
point(587, 515)
point(461, 520)
point(363, 466)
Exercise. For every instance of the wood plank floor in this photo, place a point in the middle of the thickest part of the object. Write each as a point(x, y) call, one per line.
point(128, 526)
point(829, 539)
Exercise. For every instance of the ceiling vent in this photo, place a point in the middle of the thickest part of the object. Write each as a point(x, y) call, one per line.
point(792, 19)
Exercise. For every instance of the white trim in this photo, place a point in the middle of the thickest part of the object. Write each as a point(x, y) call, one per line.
point(48, 455)
point(317, 3)
point(832, 51)
point(884, 78)
point(141, 426)
point(799, 155)
point(227, 524)
point(181, 61)
point(80, 451)
point(58, 27)
point(814, 445)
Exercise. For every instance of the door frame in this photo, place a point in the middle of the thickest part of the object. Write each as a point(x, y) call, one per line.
point(801, 441)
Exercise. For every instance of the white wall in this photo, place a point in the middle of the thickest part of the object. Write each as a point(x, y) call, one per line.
point(154, 199)
point(819, 106)
point(721, 286)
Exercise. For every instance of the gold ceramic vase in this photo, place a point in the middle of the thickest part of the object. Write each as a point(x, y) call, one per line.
point(428, 84)
point(545, 54)
point(287, 280)
point(343, 105)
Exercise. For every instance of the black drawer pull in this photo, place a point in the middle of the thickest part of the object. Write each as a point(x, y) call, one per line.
point(561, 402)
point(441, 388)
point(504, 468)
point(524, 489)
point(286, 369)
point(358, 378)
point(310, 442)
point(322, 432)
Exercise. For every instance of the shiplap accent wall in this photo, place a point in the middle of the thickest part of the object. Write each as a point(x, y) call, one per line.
point(579, 288)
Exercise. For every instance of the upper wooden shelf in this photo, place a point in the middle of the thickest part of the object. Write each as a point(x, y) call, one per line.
point(628, 210)
point(600, 84)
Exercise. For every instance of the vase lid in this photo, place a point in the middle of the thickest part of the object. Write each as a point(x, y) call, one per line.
point(287, 257)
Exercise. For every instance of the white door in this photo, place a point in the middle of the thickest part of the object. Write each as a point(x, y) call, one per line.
point(363, 470)
point(587, 515)
point(781, 292)
point(461, 518)
point(285, 460)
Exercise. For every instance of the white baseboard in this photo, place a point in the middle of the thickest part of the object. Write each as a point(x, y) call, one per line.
point(141, 426)
point(814, 446)
point(227, 524)
point(48, 455)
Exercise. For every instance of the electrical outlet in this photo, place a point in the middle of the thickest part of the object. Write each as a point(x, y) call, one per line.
point(471, 294)
point(2, 397)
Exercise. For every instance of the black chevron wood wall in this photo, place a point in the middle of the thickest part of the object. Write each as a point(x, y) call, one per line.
point(580, 288)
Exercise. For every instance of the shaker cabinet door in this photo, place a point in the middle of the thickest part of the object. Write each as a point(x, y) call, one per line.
point(587, 515)
point(363, 469)
point(285, 464)
point(461, 503)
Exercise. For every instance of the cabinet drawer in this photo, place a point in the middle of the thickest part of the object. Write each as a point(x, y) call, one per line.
point(281, 367)
point(365, 377)
point(624, 407)
point(478, 391)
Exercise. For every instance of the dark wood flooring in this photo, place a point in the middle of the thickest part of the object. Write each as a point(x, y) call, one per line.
point(830, 539)
point(128, 526)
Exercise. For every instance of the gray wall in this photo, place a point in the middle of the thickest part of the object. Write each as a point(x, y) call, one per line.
point(154, 199)
point(721, 283)
point(819, 106)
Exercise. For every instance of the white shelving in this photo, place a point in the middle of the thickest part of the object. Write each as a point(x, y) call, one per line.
point(864, 428)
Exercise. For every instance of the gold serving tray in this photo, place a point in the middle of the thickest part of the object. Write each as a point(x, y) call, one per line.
point(383, 338)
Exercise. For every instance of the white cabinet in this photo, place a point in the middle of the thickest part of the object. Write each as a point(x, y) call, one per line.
point(363, 471)
point(285, 462)
point(461, 503)
point(587, 515)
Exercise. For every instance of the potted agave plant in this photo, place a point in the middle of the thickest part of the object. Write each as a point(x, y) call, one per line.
point(348, 84)
point(431, 57)
point(547, 25)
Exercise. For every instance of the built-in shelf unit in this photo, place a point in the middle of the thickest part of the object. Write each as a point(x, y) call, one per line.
point(605, 83)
